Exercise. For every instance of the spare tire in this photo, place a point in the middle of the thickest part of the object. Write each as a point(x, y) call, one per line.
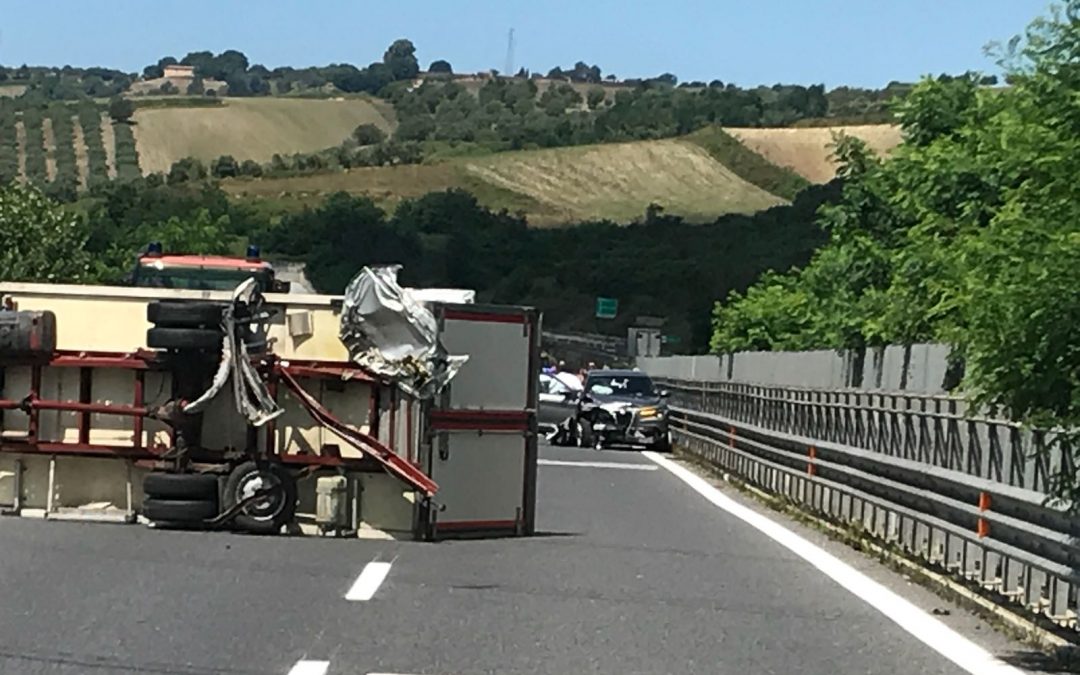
point(178, 510)
point(184, 314)
point(181, 486)
point(183, 338)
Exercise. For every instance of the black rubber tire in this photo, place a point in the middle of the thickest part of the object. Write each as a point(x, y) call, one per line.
point(283, 511)
point(179, 510)
point(584, 436)
point(662, 444)
point(184, 314)
point(181, 486)
point(183, 338)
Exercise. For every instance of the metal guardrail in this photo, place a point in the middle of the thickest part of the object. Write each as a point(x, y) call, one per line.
point(965, 495)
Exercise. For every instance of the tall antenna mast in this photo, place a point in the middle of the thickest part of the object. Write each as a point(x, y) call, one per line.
point(509, 72)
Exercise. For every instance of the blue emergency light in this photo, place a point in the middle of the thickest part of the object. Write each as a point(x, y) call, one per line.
point(252, 252)
point(154, 248)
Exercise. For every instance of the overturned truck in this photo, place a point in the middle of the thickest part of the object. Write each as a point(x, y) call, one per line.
point(383, 412)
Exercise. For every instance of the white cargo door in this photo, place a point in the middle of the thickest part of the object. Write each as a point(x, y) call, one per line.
point(497, 374)
point(481, 475)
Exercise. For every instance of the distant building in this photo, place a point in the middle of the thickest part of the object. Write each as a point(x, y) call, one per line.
point(180, 72)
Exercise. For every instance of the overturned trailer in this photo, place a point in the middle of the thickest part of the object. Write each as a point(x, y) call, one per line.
point(217, 409)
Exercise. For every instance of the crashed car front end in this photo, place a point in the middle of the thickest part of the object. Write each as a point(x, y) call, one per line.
point(621, 422)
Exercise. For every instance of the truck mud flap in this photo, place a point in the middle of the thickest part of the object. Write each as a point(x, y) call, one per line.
point(394, 464)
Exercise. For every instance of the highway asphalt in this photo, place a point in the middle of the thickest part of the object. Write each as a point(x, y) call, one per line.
point(632, 572)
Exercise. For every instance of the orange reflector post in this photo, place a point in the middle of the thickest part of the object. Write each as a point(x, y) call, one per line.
point(982, 528)
point(810, 468)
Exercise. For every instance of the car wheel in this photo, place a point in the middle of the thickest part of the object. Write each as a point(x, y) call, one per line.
point(662, 443)
point(268, 514)
point(583, 434)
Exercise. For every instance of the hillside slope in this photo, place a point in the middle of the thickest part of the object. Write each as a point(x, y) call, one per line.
point(249, 128)
point(616, 181)
point(807, 150)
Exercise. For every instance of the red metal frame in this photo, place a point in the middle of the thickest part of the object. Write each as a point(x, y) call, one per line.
point(139, 362)
point(358, 439)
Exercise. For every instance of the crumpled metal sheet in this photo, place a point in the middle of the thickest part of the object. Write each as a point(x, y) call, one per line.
point(389, 332)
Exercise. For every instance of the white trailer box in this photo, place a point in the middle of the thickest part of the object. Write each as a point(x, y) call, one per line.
point(481, 432)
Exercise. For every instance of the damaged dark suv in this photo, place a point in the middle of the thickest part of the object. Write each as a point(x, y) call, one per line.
point(621, 407)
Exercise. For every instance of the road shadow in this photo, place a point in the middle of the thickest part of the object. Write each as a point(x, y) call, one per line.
point(1064, 660)
point(542, 534)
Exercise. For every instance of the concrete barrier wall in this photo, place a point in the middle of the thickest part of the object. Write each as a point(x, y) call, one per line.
point(917, 368)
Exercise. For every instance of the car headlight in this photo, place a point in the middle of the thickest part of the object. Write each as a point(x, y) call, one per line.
point(650, 412)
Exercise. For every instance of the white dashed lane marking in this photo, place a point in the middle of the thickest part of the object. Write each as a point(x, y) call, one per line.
point(368, 582)
point(305, 667)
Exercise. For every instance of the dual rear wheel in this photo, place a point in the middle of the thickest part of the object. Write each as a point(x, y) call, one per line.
point(263, 496)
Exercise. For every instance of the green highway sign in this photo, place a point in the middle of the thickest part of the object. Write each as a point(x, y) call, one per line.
point(606, 308)
point(671, 339)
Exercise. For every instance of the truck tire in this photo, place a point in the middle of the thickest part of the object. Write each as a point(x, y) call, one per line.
point(183, 314)
point(181, 486)
point(179, 510)
point(183, 338)
point(265, 516)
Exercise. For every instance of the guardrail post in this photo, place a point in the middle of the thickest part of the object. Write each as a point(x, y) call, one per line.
point(983, 527)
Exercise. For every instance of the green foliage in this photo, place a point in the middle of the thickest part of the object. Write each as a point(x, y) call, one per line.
point(121, 109)
point(368, 134)
point(9, 147)
point(178, 102)
point(65, 184)
point(440, 66)
point(662, 266)
point(250, 167)
point(225, 166)
point(34, 146)
point(127, 156)
point(747, 164)
point(186, 170)
point(96, 159)
point(595, 97)
point(966, 235)
point(400, 58)
point(507, 114)
point(42, 242)
point(341, 236)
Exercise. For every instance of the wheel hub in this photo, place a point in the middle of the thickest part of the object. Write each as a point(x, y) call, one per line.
point(268, 506)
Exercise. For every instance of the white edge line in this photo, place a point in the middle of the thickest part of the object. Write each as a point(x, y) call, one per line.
point(368, 582)
point(305, 667)
point(597, 465)
point(928, 630)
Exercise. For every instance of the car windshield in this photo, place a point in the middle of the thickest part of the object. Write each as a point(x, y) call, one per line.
point(194, 278)
point(622, 385)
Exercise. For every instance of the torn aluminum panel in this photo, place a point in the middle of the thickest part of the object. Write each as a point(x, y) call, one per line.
point(388, 331)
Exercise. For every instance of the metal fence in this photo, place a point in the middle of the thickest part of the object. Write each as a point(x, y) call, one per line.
point(965, 494)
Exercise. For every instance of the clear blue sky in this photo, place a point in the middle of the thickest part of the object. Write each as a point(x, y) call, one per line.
point(749, 42)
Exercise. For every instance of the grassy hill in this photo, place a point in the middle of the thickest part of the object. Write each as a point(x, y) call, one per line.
point(249, 128)
point(707, 174)
point(806, 150)
point(616, 181)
